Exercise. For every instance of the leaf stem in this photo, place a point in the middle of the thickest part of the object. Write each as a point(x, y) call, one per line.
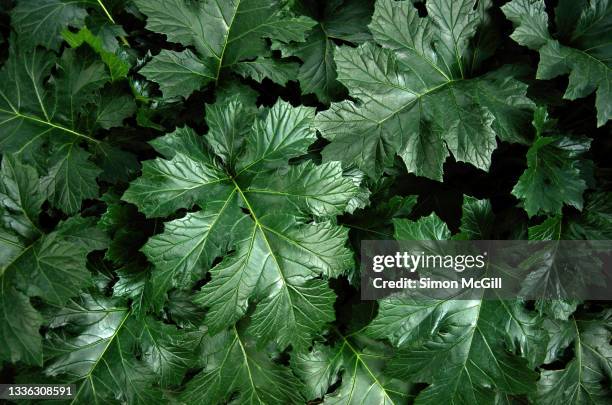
point(110, 17)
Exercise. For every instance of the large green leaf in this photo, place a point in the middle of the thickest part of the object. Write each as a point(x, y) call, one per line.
point(234, 366)
point(357, 364)
point(279, 252)
point(37, 109)
point(467, 350)
point(93, 342)
point(584, 50)
point(51, 266)
point(415, 96)
point(40, 22)
point(224, 34)
point(20, 322)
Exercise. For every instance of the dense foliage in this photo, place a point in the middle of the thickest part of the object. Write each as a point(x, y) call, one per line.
point(185, 184)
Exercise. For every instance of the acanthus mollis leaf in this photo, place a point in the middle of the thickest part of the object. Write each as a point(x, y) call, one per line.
point(580, 47)
point(357, 364)
point(585, 378)
point(93, 343)
point(467, 350)
point(228, 35)
point(256, 206)
point(51, 265)
point(40, 22)
point(555, 173)
point(340, 21)
point(417, 96)
point(593, 223)
point(43, 118)
point(234, 366)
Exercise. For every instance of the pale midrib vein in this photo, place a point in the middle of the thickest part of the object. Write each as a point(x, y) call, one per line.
point(110, 341)
point(204, 238)
point(360, 360)
point(265, 238)
point(51, 124)
point(225, 42)
point(246, 363)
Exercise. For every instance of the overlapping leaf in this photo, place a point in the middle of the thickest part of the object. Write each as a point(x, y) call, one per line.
point(341, 21)
point(580, 47)
point(465, 349)
point(416, 97)
point(51, 266)
point(93, 345)
point(279, 254)
point(235, 367)
point(555, 173)
point(225, 35)
point(42, 119)
point(357, 364)
point(584, 378)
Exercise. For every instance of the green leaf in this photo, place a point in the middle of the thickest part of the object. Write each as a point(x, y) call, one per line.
point(188, 245)
point(178, 73)
point(229, 124)
point(53, 267)
point(71, 179)
point(234, 366)
point(117, 67)
point(108, 109)
point(554, 174)
point(341, 21)
point(167, 351)
point(550, 229)
point(477, 220)
point(224, 34)
point(321, 189)
point(269, 147)
point(20, 322)
point(462, 348)
point(584, 52)
point(50, 266)
point(584, 378)
point(167, 185)
point(279, 253)
point(417, 102)
point(357, 363)
point(40, 22)
point(261, 68)
point(596, 219)
point(99, 356)
point(21, 198)
point(42, 116)
point(427, 228)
